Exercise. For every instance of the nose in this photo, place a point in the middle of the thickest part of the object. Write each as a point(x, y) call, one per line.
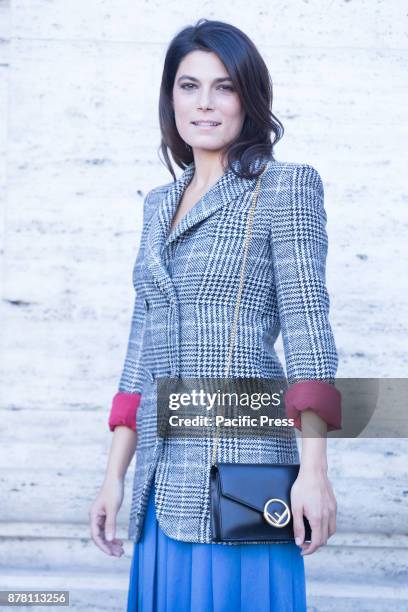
point(204, 98)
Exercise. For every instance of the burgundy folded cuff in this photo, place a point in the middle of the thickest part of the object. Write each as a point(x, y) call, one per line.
point(317, 395)
point(123, 411)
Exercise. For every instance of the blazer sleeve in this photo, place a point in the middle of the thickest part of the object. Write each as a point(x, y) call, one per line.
point(299, 247)
point(127, 399)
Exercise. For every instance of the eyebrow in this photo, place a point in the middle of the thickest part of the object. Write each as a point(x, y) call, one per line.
point(186, 76)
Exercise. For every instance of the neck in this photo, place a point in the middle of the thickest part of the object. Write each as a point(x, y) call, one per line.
point(208, 168)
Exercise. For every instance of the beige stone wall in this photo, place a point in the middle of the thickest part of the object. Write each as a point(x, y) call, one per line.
point(79, 135)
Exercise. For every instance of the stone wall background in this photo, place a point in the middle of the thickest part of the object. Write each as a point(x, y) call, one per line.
point(79, 133)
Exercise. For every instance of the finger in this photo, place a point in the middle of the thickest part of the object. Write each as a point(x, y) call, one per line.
point(325, 529)
point(332, 524)
point(316, 526)
point(110, 526)
point(101, 543)
point(97, 523)
point(298, 525)
point(114, 546)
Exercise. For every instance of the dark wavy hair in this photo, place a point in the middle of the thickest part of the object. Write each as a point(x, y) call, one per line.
point(251, 80)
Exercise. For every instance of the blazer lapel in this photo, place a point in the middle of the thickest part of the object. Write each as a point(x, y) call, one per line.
point(158, 230)
point(227, 188)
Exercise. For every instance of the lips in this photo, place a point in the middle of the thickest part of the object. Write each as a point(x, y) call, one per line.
point(206, 123)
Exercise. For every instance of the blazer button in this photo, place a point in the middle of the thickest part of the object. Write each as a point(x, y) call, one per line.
point(146, 305)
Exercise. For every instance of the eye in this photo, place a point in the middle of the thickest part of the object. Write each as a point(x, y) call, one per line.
point(189, 86)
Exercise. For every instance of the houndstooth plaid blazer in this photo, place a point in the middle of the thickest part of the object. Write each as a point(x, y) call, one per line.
point(186, 284)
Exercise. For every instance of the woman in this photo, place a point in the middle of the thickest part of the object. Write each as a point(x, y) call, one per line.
point(186, 277)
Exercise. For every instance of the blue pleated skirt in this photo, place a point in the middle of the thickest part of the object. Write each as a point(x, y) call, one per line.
point(168, 575)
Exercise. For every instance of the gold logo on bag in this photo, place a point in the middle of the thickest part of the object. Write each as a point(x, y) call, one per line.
point(275, 518)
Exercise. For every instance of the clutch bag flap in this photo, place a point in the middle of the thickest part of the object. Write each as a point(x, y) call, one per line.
point(251, 502)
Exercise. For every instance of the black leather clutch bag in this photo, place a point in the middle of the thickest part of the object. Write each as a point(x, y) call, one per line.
point(251, 502)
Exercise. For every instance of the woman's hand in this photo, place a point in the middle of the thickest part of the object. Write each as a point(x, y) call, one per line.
point(312, 495)
point(102, 515)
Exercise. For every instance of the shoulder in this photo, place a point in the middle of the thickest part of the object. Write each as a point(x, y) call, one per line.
point(159, 190)
point(153, 198)
point(295, 199)
point(300, 180)
point(292, 170)
point(157, 193)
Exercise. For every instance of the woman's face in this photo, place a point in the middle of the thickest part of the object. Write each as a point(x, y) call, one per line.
point(203, 91)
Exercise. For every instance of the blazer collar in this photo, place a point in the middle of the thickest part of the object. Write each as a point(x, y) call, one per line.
point(227, 188)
